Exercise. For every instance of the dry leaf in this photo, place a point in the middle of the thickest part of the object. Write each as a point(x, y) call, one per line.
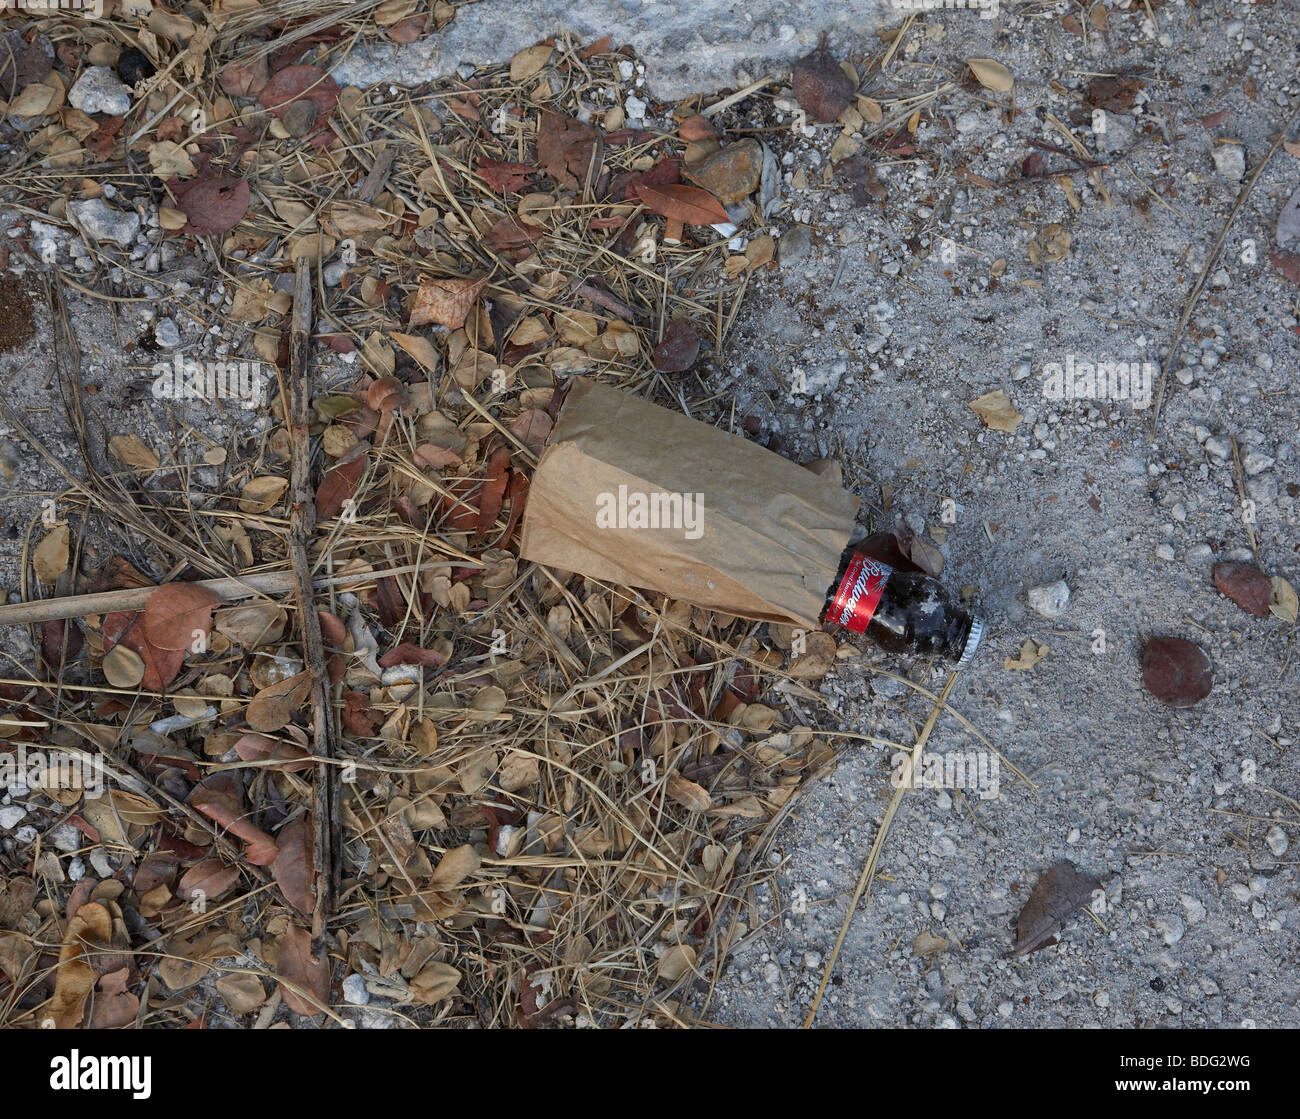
point(1031, 652)
point(991, 74)
point(293, 866)
point(679, 960)
point(1056, 895)
point(123, 667)
point(299, 970)
point(50, 558)
point(1176, 671)
point(995, 409)
point(260, 494)
point(1283, 603)
point(446, 301)
point(179, 614)
point(274, 706)
point(687, 793)
point(529, 62)
point(131, 451)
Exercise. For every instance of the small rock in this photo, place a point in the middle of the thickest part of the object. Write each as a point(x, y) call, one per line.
point(1254, 463)
point(1277, 841)
point(796, 244)
point(1193, 908)
point(102, 222)
point(1049, 599)
point(731, 173)
point(1240, 891)
point(12, 816)
point(1218, 446)
point(99, 90)
point(65, 838)
point(354, 990)
point(167, 333)
point(1170, 928)
point(1165, 552)
point(968, 121)
point(301, 117)
point(1229, 161)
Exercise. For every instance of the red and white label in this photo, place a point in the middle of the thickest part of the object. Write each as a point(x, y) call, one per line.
point(859, 594)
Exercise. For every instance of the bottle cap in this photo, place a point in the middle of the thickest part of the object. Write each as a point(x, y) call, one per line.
point(972, 643)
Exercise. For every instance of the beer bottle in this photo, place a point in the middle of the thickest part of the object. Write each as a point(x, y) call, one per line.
point(901, 611)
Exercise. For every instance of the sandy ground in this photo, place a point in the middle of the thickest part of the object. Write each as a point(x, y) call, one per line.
point(1188, 816)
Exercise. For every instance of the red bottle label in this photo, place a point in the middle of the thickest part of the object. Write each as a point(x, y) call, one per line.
point(859, 593)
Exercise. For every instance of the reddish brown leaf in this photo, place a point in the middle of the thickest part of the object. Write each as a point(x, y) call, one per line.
point(1286, 264)
point(679, 348)
point(332, 629)
point(1176, 672)
point(505, 178)
point(821, 86)
point(568, 149)
point(300, 971)
point(214, 206)
point(245, 79)
point(206, 881)
point(696, 128)
point(359, 716)
point(687, 204)
point(338, 486)
point(179, 614)
point(104, 139)
point(434, 457)
point(294, 867)
point(59, 640)
point(510, 235)
point(296, 83)
point(260, 748)
point(406, 653)
point(667, 172)
point(224, 809)
point(532, 428)
point(494, 490)
point(160, 665)
point(1057, 894)
point(113, 1006)
point(387, 394)
point(1247, 586)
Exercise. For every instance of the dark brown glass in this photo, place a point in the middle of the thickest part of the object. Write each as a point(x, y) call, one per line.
point(916, 615)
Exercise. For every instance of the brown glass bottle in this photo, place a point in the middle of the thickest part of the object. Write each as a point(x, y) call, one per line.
point(901, 611)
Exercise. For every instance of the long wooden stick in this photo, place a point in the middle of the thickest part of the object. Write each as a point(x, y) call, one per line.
point(302, 527)
point(134, 598)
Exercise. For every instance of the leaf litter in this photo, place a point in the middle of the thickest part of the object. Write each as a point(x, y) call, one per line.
point(525, 782)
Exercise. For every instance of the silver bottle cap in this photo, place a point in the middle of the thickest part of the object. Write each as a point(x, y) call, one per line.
point(972, 643)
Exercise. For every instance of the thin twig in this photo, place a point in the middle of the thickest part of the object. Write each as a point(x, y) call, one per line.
point(1210, 260)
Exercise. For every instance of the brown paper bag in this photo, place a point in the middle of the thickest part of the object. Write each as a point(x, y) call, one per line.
point(631, 493)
